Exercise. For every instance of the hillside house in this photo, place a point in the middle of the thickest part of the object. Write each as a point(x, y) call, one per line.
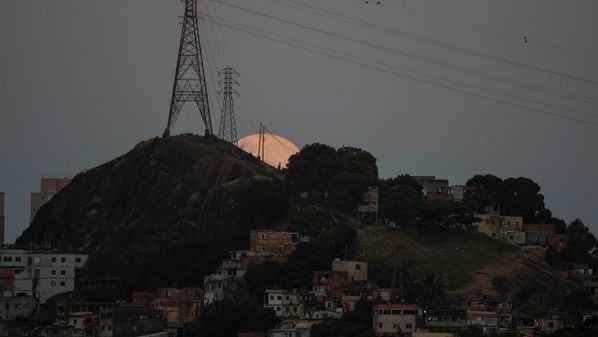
point(395, 319)
point(445, 320)
point(328, 284)
point(274, 242)
point(284, 303)
point(356, 270)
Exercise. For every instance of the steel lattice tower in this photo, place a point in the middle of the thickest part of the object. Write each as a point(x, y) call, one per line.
point(228, 127)
point(189, 82)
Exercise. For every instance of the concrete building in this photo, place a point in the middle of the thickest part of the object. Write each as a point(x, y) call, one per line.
point(395, 319)
point(356, 270)
point(38, 274)
point(536, 238)
point(447, 320)
point(82, 317)
point(515, 237)
point(180, 306)
point(49, 187)
point(495, 226)
point(274, 242)
point(131, 322)
point(249, 257)
point(368, 209)
point(223, 284)
point(12, 308)
point(328, 284)
point(1, 218)
point(434, 189)
point(286, 304)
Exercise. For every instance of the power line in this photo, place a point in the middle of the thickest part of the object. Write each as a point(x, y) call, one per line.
point(419, 58)
point(419, 73)
point(356, 21)
point(490, 98)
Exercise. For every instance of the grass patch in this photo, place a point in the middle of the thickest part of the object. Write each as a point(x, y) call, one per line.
point(454, 256)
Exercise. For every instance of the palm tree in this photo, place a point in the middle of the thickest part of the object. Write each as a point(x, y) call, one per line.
point(431, 292)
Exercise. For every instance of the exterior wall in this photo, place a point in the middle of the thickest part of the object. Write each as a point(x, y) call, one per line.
point(180, 306)
point(515, 238)
point(1, 218)
point(512, 223)
point(356, 270)
point(266, 241)
point(284, 303)
point(369, 206)
point(539, 228)
point(482, 318)
point(536, 238)
point(445, 320)
point(41, 274)
point(49, 187)
point(432, 187)
point(13, 307)
point(130, 322)
point(327, 284)
point(394, 318)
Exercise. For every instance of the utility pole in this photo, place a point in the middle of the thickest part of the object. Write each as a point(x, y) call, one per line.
point(228, 126)
point(189, 81)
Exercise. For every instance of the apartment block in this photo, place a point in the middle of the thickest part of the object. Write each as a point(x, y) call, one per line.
point(274, 242)
point(49, 187)
point(38, 274)
point(356, 270)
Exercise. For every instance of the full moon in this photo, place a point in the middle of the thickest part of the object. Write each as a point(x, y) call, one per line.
point(277, 149)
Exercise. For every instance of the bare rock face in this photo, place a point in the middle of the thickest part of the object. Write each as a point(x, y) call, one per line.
point(163, 214)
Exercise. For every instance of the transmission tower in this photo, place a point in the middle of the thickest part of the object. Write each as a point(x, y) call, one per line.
point(189, 81)
point(228, 127)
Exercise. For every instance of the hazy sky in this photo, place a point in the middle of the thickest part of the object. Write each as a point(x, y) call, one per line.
point(83, 81)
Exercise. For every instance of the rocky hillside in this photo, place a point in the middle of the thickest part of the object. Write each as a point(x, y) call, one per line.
point(164, 213)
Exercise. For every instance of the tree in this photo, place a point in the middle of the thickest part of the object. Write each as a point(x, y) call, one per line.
point(401, 203)
point(484, 187)
point(431, 292)
point(346, 191)
point(521, 197)
point(359, 162)
point(266, 275)
point(312, 168)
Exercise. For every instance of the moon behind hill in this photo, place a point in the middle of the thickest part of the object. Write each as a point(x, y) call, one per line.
point(278, 149)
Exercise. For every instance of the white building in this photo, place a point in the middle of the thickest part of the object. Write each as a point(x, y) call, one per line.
point(284, 303)
point(293, 332)
point(38, 274)
point(394, 319)
point(224, 282)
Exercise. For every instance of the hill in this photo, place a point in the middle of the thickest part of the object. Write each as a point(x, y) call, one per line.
point(470, 264)
point(165, 213)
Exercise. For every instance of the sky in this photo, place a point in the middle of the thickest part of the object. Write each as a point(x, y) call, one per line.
point(450, 88)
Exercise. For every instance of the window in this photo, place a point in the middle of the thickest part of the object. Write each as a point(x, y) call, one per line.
point(53, 272)
point(7, 259)
point(379, 325)
point(63, 259)
point(357, 267)
point(18, 259)
point(77, 260)
point(53, 283)
point(53, 258)
point(62, 284)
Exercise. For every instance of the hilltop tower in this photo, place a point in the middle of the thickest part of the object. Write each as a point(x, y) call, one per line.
point(228, 126)
point(189, 81)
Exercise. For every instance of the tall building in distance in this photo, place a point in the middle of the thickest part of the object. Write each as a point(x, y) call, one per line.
point(1, 218)
point(49, 187)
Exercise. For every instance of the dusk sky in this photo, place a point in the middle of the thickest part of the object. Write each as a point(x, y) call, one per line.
point(450, 88)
